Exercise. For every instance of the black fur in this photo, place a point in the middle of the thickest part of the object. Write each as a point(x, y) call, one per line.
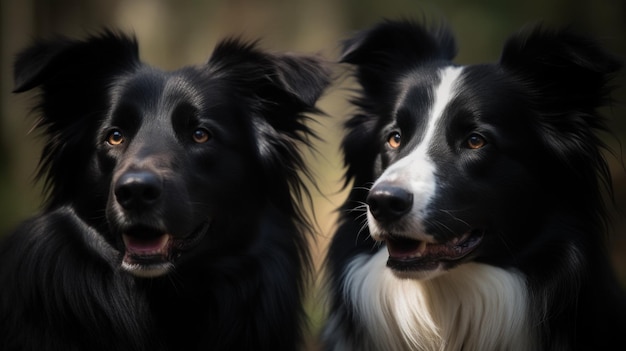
point(206, 157)
point(536, 189)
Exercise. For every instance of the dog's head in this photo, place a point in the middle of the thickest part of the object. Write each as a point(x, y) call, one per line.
point(464, 162)
point(155, 160)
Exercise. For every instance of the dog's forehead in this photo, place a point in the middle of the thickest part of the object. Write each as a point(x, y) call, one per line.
point(434, 95)
point(419, 87)
point(150, 88)
point(149, 82)
point(425, 93)
point(138, 85)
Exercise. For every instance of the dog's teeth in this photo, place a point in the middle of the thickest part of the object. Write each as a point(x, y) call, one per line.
point(422, 247)
point(420, 250)
point(460, 239)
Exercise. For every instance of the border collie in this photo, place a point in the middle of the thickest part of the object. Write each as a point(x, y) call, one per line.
point(172, 220)
point(475, 219)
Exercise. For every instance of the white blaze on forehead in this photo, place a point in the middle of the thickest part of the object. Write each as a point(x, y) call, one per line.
point(444, 93)
point(416, 171)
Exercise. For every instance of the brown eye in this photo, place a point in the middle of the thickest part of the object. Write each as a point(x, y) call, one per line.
point(475, 141)
point(201, 135)
point(115, 137)
point(394, 140)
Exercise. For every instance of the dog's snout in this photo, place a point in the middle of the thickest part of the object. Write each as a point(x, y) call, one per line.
point(134, 190)
point(388, 202)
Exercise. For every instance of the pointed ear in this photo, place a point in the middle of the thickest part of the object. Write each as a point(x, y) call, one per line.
point(565, 71)
point(284, 80)
point(74, 77)
point(388, 49)
point(303, 76)
point(565, 77)
point(35, 65)
point(277, 90)
point(50, 62)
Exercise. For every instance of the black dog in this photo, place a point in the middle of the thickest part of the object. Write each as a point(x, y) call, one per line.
point(482, 186)
point(172, 221)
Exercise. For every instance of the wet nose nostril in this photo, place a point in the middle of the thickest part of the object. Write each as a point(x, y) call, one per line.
point(388, 202)
point(372, 203)
point(123, 194)
point(137, 189)
point(151, 194)
point(399, 205)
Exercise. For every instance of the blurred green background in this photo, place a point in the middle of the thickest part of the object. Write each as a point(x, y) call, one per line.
point(176, 33)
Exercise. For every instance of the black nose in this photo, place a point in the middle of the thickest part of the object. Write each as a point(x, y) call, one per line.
point(136, 190)
point(388, 202)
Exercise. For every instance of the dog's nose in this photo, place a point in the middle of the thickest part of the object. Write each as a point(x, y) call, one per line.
point(134, 190)
point(388, 202)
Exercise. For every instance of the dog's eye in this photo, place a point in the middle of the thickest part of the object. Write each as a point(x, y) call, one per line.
point(475, 141)
point(115, 137)
point(201, 135)
point(394, 140)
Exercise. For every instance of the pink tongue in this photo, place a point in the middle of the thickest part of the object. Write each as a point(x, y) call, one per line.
point(142, 246)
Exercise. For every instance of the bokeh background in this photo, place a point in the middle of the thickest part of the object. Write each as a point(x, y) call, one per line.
point(183, 32)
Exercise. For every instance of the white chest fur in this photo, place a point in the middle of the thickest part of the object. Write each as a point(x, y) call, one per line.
point(472, 307)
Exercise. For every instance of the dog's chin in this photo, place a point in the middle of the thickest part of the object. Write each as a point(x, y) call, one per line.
point(419, 259)
point(150, 253)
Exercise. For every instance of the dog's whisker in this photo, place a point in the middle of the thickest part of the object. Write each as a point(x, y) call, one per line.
point(363, 229)
point(456, 218)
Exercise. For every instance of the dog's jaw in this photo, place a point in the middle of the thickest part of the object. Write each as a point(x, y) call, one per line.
point(147, 258)
point(419, 258)
point(155, 256)
point(147, 271)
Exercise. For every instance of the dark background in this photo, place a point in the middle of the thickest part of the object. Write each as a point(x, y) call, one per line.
point(176, 33)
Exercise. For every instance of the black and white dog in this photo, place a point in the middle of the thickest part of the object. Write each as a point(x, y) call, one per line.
point(482, 187)
point(173, 220)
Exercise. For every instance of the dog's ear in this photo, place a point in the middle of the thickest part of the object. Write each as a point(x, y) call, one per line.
point(74, 77)
point(565, 77)
point(564, 71)
point(278, 90)
point(388, 49)
point(63, 62)
point(303, 76)
point(283, 80)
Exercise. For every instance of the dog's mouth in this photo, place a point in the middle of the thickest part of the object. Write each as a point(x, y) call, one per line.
point(407, 254)
point(150, 252)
